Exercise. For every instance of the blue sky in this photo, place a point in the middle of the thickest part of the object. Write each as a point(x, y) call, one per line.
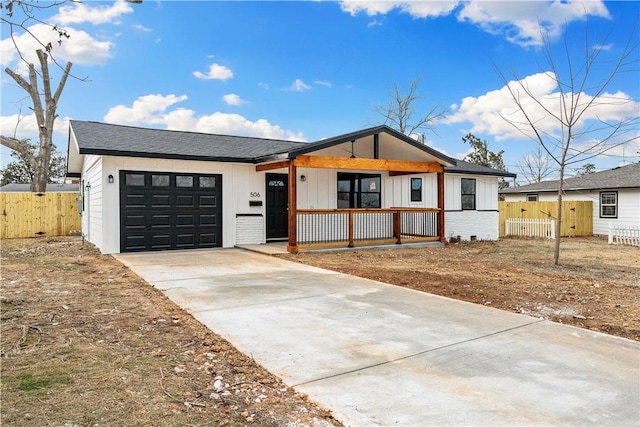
point(311, 70)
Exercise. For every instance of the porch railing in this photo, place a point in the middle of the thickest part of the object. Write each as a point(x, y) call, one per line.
point(350, 227)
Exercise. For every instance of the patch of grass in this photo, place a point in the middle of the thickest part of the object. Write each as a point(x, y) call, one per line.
point(29, 382)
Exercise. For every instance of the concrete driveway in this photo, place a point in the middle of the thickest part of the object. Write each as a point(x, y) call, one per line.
point(377, 354)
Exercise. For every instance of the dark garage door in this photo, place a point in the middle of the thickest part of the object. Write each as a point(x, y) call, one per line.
point(162, 210)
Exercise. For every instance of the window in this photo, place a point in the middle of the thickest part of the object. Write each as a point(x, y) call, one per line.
point(207, 181)
point(532, 197)
point(134, 179)
point(609, 204)
point(416, 189)
point(184, 181)
point(160, 180)
point(358, 190)
point(468, 187)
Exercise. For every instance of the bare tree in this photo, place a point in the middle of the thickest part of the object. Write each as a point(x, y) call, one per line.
point(400, 111)
point(535, 166)
point(569, 140)
point(45, 114)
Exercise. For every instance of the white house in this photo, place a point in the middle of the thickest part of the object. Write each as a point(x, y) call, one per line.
point(150, 189)
point(615, 194)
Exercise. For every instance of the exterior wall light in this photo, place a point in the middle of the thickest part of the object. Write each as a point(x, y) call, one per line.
point(303, 178)
point(110, 179)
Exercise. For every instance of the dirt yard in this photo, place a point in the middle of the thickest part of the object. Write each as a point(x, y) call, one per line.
point(597, 286)
point(85, 342)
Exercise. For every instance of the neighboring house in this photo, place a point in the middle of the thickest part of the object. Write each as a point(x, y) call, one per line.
point(150, 189)
point(51, 188)
point(615, 194)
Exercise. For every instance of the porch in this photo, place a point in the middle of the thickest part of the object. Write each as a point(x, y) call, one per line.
point(356, 175)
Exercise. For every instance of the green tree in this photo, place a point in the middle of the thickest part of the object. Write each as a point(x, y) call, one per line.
point(482, 156)
point(586, 169)
point(20, 171)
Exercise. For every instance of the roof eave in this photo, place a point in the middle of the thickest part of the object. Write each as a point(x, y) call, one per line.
point(169, 156)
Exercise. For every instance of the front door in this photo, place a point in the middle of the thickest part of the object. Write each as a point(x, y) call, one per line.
point(277, 206)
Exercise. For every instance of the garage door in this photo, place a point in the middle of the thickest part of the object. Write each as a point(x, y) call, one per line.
point(160, 211)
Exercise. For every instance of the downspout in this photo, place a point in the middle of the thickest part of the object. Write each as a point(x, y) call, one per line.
point(87, 189)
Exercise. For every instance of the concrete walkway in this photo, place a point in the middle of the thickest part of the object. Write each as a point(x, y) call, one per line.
point(381, 355)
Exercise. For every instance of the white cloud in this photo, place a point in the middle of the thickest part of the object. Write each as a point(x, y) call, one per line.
point(142, 28)
point(78, 13)
point(520, 21)
point(154, 110)
point(487, 112)
point(299, 86)
point(323, 83)
point(216, 72)
point(233, 99)
point(80, 48)
point(146, 109)
point(417, 9)
point(263, 85)
point(27, 126)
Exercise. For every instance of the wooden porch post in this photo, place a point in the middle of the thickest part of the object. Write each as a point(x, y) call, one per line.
point(293, 208)
point(441, 234)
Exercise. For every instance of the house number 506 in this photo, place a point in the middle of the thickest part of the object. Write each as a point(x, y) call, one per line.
point(254, 194)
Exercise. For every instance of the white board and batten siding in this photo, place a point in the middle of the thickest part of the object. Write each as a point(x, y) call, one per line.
point(240, 184)
point(94, 202)
point(245, 224)
point(481, 223)
point(628, 206)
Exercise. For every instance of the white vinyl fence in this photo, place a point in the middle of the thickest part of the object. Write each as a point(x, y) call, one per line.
point(528, 227)
point(624, 235)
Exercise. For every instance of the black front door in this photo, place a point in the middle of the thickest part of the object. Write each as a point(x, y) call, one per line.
point(277, 203)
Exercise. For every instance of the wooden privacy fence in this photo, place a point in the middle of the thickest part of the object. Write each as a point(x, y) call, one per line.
point(545, 228)
point(624, 235)
point(38, 214)
point(577, 216)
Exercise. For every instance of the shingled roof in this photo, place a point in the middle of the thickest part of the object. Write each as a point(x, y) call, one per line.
point(116, 140)
point(621, 177)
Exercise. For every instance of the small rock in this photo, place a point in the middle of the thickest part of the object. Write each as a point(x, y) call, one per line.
point(65, 307)
point(179, 369)
point(217, 385)
point(577, 316)
point(249, 419)
point(214, 396)
point(245, 414)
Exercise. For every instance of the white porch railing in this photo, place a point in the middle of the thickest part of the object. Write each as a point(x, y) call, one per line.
point(624, 235)
point(527, 227)
point(350, 227)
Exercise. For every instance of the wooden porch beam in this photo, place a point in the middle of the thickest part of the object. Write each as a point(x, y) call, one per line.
point(367, 164)
point(293, 209)
point(441, 199)
point(271, 166)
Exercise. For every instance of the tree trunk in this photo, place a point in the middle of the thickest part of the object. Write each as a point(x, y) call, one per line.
point(45, 118)
point(556, 249)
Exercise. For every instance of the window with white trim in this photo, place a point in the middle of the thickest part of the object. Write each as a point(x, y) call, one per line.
point(532, 197)
point(609, 204)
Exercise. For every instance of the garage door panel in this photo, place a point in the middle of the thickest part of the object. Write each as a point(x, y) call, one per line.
point(169, 211)
point(160, 200)
point(184, 201)
point(160, 221)
point(208, 201)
